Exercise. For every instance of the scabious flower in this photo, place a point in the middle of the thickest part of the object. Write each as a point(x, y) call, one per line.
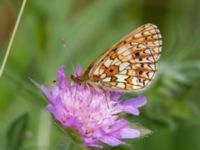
point(92, 114)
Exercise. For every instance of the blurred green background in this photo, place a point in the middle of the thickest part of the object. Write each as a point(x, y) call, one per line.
point(72, 32)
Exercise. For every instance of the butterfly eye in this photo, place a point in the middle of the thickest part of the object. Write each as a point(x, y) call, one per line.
point(76, 79)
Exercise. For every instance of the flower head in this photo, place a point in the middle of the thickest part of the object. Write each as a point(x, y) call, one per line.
point(92, 113)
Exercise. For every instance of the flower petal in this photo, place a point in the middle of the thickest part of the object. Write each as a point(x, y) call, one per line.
point(93, 114)
point(136, 102)
point(62, 78)
point(91, 142)
point(46, 93)
point(111, 141)
point(131, 105)
point(121, 123)
point(94, 145)
point(50, 108)
point(55, 90)
point(131, 110)
point(128, 133)
point(115, 95)
point(78, 71)
point(71, 121)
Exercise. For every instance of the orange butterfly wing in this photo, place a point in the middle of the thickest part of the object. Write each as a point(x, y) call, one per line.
point(131, 63)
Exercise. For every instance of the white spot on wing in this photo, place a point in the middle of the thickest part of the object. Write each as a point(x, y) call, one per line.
point(146, 33)
point(123, 72)
point(126, 53)
point(129, 57)
point(156, 49)
point(137, 35)
point(103, 75)
point(134, 80)
point(157, 57)
point(96, 72)
point(152, 66)
point(133, 43)
point(123, 66)
point(107, 79)
point(115, 61)
point(150, 44)
point(157, 31)
point(147, 51)
point(157, 42)
point(150, 59)
point(151, 74)
point(101, 71)
point(155, 36)
point(136, 87)
point(122, 50)
point(121, 78)
point(108, 62)
point(118, 63)
point(141, 46)
point(153, 31)
point(146, 82)
point(121, 85)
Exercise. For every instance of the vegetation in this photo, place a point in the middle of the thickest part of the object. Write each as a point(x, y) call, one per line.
point(72, 32)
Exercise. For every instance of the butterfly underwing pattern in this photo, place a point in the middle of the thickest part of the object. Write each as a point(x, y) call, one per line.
point(129, 65)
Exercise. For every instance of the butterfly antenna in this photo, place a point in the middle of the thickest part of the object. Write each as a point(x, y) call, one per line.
point(64, 46)
point(34, 82)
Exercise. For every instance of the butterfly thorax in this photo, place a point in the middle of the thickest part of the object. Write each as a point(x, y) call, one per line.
point(79, 79)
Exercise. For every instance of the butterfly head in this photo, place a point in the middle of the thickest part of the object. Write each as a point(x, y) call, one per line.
point(77, 79)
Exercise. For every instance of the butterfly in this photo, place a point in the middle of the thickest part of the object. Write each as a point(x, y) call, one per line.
point(129, 65)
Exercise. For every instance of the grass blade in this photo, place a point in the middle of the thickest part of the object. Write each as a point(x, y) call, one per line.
point(12, 38)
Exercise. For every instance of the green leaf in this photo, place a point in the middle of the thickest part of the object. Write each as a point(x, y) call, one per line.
point(16, 132)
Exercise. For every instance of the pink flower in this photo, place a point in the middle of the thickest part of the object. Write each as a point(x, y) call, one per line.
point(92, 114)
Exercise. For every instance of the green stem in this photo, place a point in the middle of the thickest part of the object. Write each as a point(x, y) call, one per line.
point(12, 38)
point(44, 131)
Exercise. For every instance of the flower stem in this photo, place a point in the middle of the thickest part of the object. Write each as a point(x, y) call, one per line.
point(12, 37)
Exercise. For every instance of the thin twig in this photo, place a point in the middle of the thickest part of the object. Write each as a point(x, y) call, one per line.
point(12, 38)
